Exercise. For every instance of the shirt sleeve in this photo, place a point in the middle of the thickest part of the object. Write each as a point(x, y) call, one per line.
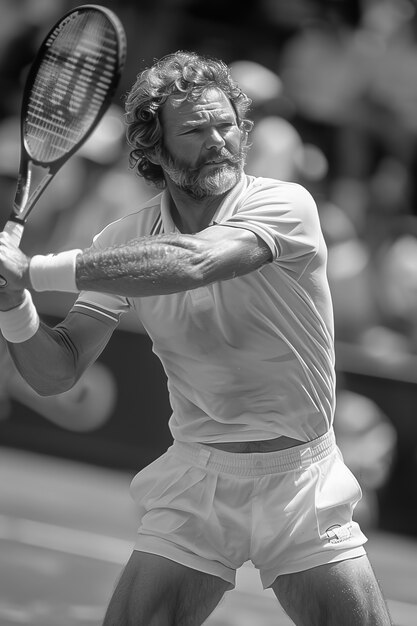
point(104, 306)
point(284, 215)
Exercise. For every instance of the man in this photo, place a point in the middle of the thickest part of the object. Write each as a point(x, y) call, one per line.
point(228, 275)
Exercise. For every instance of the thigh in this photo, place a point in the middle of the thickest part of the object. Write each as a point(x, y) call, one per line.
point(156, 591)
point(345, 593)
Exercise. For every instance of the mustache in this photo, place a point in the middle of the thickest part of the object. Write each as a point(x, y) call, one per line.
point(221, 155)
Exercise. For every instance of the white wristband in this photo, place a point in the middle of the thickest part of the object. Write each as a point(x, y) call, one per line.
point(54, 272)
point(21, 323)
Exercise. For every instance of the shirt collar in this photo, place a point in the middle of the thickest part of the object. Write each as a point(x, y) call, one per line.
point(228, 206)
point(167, 221)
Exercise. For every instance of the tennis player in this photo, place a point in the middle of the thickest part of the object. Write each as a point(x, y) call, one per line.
point(227, 274)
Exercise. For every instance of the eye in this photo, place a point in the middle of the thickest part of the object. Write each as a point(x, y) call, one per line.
point(226, 126)
point(192, 131)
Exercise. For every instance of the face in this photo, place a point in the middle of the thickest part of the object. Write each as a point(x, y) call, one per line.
point(204, 149)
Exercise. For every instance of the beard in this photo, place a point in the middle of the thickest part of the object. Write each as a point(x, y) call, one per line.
point(219, 179)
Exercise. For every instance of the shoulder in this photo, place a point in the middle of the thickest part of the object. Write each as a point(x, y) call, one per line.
point(277, 197)
point(136, 224)
point(277, 189)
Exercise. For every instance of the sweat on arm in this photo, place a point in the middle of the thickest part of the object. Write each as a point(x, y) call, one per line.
point(165, 264)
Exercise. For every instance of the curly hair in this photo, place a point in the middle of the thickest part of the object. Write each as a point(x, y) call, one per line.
point(179, 73)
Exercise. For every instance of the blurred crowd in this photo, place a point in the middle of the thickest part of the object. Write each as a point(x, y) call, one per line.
point(334, 91)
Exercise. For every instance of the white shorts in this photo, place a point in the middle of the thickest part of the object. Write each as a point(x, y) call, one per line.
point(285, 511)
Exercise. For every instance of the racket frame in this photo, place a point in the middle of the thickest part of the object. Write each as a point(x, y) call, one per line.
point(25, 198)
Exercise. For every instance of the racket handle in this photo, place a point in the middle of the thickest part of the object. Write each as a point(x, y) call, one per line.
point(15, 230)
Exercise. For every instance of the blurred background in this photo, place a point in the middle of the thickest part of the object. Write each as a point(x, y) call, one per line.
point(334, 91)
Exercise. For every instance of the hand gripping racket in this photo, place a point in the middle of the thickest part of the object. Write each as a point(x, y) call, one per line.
point(69, 88)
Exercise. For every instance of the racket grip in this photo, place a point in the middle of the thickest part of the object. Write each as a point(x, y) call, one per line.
point(15, 230)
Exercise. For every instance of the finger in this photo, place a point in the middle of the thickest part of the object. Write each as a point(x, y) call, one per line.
point(6, 239)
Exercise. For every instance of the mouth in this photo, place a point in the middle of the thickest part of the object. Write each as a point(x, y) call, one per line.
point(217, 162)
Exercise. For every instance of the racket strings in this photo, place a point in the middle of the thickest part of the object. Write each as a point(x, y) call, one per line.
point(73, 81)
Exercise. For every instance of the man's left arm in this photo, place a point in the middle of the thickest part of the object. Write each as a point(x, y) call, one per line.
point(172, 263)
point(153, 265)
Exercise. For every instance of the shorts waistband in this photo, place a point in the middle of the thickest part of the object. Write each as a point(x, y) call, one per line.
point(256, 463)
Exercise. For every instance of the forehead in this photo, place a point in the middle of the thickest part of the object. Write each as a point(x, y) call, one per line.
point(212, 105)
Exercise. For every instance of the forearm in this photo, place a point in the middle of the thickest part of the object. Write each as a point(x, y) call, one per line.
point(46, 361)
point(154, 265)
point(146, 266)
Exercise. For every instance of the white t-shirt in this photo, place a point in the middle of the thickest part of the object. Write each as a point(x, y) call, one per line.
point(249, 358)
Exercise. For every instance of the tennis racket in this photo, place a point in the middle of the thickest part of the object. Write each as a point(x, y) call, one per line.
point(69, 88)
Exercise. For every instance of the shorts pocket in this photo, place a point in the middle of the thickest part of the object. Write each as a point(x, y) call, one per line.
point(337, 493)
point(170, 484)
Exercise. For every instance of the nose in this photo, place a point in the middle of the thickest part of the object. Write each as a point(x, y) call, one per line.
point(214, 139)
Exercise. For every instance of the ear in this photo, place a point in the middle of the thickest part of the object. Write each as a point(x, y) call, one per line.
point(154, 157)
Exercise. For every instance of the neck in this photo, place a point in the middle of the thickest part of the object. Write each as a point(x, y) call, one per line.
point(189, 214)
